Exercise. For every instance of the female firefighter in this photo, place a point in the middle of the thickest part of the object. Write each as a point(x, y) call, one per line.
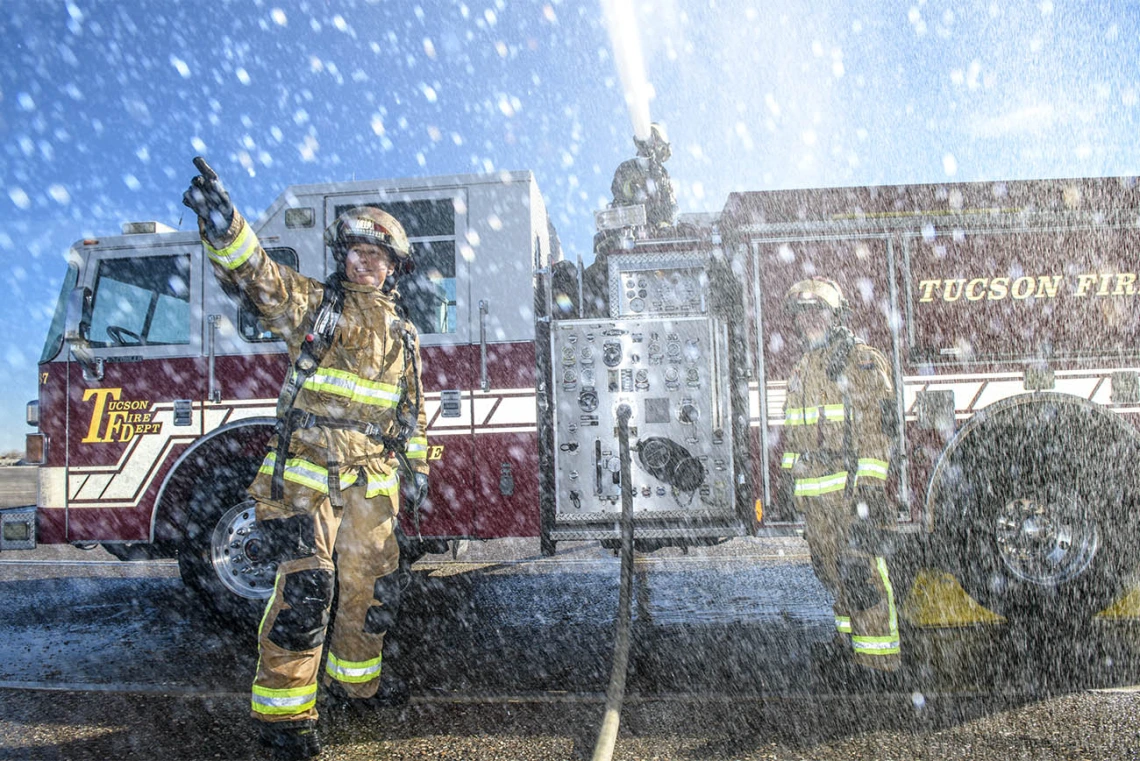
point(350, 411)
point(838, 437)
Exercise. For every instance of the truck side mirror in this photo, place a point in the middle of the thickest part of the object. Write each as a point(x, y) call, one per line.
point(77, 329)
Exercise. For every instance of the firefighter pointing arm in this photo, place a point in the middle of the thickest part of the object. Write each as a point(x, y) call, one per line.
point(350, 419)
point(837, 451)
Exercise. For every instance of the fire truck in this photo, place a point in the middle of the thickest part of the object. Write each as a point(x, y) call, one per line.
point(650, 383)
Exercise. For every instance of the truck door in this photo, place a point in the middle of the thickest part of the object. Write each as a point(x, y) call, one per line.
point(136, 403)
point(437, 297)
point(862, 267)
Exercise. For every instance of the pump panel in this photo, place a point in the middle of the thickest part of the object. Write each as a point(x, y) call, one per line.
point(672, 374)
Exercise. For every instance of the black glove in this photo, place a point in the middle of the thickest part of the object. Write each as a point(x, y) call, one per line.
point(209, 200)
point(421, 490)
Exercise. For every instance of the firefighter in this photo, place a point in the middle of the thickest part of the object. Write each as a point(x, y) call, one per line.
point(350, 418)
point(644, 179)
point(838, 437)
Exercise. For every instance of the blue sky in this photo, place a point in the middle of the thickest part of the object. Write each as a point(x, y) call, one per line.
point(103, 105)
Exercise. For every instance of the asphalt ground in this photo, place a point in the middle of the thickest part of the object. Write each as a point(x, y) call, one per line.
point(508, 655)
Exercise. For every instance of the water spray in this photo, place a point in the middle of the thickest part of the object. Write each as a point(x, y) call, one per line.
point(625, 41)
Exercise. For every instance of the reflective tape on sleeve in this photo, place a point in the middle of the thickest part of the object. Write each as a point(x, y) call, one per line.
point(234, 255)
point(417, 448)
point(872, 468)
point(789, 460)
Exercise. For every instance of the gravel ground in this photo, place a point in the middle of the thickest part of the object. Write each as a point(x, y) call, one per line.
point(1087, 726)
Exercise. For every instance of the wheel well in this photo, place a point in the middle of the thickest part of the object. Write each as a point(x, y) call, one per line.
point(1069, 423)
point(230, 453)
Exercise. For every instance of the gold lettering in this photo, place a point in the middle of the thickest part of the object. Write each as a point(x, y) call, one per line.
point(1023, 293)
point(435, 452)
point(1104, 281)
point(1084, 282)
point(1125, 284)
point(952, 289)
point(100, 395)
point(999, 288)
point(1047, 286)
point(928, 287)
point(972, 294)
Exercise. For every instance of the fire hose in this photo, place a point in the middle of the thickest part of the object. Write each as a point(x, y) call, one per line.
point(615, 694)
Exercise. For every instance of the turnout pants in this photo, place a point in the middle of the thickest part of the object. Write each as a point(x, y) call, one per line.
point(292, 631)
point(864, 599)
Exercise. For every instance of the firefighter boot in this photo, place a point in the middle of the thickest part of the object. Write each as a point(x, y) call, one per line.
point(290, 740)
point(392, 693)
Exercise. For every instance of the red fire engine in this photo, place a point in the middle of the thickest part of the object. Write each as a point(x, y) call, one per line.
point(1007, 310)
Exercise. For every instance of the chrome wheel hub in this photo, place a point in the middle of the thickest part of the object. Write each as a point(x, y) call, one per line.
point(237, 553)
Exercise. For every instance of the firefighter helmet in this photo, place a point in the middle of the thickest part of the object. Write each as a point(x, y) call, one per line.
point(656, 145)
point(368, 224)
point(817, 293)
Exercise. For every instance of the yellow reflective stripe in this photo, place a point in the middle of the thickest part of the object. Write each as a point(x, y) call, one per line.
point(353, 387)
point(832, 413)
point(417, 448)
point(353, 672)
point(869, 467)
point(286, 702)
point(843, 624)
point(234, 255)
point(888, 645)
point(789, 459)
point(875, 645)
point(305, 473)
point(381, 484)
point(801, 416)
point(815, 487)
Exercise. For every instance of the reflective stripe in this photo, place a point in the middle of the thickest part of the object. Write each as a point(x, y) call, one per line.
point(306, 473)
point(872, 468)
point(353, 387)
point(353, 672)
point(313, 476)
point(888, 645)
point(381, 484)
point(789, 460)
point(287, 702)
point(832, 413)
point(843, 624)
point(417, 448)
point(815, 487)
point(234, 255)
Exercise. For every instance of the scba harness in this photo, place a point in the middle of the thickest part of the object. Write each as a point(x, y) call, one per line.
point(290, 419)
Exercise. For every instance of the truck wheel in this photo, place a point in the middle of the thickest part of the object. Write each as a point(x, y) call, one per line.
point(222, 557)
point(1035, 496)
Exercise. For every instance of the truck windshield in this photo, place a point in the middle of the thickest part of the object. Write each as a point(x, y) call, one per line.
point(142, 301)
point(54, 340)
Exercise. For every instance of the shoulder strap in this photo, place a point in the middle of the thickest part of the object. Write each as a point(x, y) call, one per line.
point(313, 349)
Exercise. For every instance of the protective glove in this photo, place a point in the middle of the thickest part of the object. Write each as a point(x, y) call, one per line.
point(421, 491)
point(209, 200)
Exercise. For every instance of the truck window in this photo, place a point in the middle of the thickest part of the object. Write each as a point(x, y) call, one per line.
point(248, 324)
point(429, 294)
point(54, 340)
point(141, 301)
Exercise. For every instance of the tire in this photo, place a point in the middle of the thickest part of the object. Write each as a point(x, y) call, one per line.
point(1035, 497)
point(220, 557)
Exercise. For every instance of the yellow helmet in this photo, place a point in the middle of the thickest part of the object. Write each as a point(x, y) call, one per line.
point(816, 293)
point(368, 224)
